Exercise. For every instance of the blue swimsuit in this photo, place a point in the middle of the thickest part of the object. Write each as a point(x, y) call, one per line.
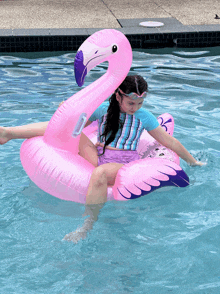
point(127, 137)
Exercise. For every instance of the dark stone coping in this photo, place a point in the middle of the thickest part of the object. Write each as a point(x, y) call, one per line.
point(172, 34)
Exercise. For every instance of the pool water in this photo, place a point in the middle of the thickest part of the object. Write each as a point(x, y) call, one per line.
point(165, 242)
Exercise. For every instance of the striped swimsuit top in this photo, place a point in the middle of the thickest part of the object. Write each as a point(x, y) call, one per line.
point(127, 137)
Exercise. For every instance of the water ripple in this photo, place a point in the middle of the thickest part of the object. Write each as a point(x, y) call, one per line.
point(18, 72)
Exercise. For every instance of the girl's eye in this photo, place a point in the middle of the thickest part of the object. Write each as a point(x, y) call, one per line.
point(133, 103)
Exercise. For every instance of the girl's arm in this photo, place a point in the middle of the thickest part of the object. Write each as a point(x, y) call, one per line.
point(172, 143)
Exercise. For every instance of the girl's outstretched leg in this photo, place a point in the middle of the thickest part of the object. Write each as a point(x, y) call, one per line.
point(4, 135)
point(22, 132)
point(30, 131)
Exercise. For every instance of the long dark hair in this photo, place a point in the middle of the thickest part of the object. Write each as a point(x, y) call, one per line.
point(135, 84)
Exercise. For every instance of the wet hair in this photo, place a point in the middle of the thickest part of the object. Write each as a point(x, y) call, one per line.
point(135, 84)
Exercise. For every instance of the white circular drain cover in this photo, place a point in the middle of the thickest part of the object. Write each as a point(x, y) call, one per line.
point(151, 24)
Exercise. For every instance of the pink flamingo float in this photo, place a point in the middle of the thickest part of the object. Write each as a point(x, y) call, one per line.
point(52, 161)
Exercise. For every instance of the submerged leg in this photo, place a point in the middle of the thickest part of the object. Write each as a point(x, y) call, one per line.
point(92, 211)
point(102, 177)
point(98, 186)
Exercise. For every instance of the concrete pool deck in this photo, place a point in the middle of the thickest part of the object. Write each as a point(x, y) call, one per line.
point(67, 23)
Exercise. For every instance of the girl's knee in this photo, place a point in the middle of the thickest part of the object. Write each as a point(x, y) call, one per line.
point(99, 171)
point(99, 175)
point(107, 173)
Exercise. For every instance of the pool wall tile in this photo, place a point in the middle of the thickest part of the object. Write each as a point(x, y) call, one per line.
point(177, 29)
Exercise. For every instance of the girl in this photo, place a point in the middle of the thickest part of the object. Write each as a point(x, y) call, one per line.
point(115, 145)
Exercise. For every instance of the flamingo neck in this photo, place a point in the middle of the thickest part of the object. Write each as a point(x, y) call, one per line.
point(61, 126)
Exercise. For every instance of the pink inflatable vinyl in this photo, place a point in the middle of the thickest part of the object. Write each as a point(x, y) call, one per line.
point(52, 161)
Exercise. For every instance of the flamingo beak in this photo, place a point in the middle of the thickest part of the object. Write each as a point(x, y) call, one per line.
point(88, 56)
point(80, 69)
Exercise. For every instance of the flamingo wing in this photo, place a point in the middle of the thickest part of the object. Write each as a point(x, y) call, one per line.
point(142, 177)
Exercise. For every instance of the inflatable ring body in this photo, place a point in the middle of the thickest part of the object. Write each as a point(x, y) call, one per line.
point(52, 162)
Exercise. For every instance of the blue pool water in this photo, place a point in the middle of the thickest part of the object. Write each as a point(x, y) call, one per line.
point(166, 242)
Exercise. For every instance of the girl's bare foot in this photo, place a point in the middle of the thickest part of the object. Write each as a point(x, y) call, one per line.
point(4, 135)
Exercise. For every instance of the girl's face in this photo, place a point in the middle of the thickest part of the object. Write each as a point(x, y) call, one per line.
point(128, 105)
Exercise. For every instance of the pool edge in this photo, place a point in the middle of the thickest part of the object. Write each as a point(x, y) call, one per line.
point(172, 34)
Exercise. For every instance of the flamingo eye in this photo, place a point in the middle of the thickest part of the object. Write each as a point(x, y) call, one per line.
point(114, 48)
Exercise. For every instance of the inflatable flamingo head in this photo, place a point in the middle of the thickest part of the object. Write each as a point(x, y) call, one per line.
point(67, 123)
point(105, 45)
